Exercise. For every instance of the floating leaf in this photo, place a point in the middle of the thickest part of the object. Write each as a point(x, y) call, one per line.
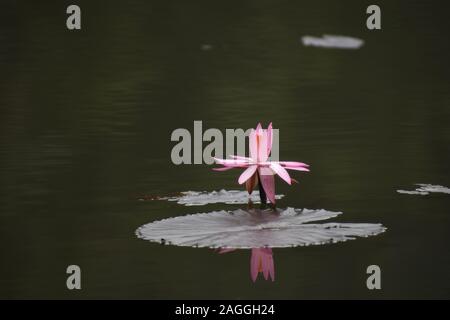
point(330, 41)
point(200, 198)
point(425, 189)
point(255, 228)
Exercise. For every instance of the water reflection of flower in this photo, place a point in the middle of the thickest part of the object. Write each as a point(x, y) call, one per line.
point(261, 261)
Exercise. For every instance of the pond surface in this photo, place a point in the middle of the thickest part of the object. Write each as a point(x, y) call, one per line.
point(86, 119)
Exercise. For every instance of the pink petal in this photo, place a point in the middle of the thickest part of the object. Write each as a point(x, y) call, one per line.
point(259, 127)
point(251, 183)
point(269, 138)
point(223, 168)
point(263, 155)
point(232, 162)
point(297, 168)
point(241, 158)
point(247, 174)
point(293, 164)
point(253, 146)
point(281, 172)
point(267, 179)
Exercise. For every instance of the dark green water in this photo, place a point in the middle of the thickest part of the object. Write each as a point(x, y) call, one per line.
point(86, 118)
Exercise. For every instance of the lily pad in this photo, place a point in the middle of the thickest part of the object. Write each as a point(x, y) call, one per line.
point(200, 198)
point(425, 189)
point(242, 229)
point(332, 41)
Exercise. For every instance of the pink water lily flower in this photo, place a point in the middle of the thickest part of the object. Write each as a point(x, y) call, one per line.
point(262, 262)
point(258, 169)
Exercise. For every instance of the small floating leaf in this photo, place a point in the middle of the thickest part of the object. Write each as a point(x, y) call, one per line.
point(330, 41)
point(200, 198)
point(425, 189)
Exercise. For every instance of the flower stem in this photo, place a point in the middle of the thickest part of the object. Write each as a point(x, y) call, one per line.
point(262, 193)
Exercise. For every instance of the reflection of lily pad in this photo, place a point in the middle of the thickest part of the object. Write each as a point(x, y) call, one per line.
point(255, 229)
point(425, 189)
point(200, 198)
